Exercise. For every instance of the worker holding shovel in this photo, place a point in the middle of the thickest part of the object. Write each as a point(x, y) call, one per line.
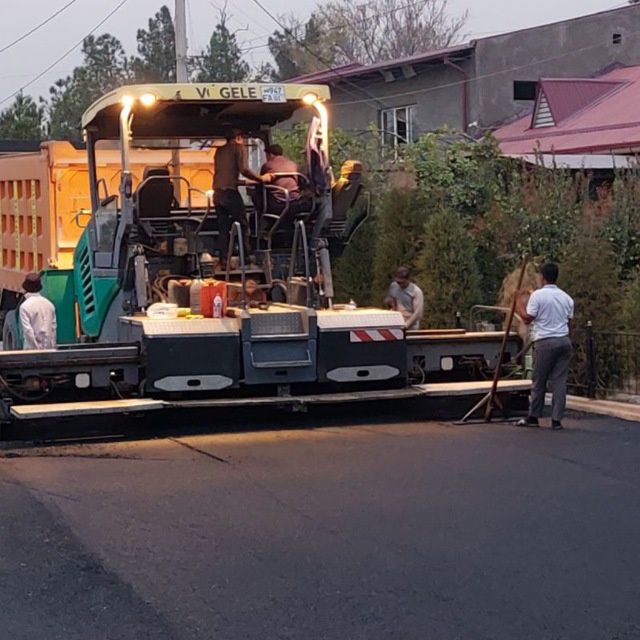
point(550, 311)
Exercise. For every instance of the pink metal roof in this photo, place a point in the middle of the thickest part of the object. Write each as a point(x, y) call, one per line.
point(332, 74)
point(591, 116)
point(567, 96)
point(356, 69)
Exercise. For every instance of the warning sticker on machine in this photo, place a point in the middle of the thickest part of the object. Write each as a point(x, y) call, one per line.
point(376, 335)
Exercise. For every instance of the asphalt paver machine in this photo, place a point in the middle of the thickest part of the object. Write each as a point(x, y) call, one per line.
point(295, 347)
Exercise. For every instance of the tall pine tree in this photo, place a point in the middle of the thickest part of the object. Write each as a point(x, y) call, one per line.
point(222, 60)
point(156, 59)
point(104, 68)
point(302, 47)
point(22, 120)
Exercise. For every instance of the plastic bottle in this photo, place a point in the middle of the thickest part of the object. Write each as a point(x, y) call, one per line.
point(207, 265)
point(217, 306)
point(194, 296)
point(210, 289)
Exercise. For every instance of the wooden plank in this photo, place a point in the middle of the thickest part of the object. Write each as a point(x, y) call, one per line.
point(320, 398)
point(100, 407)
point(93, 407)
point(418, 333)
point(443, 389)
point(464, 337)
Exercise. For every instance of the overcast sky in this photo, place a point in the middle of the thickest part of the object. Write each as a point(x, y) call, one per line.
point(20, 64)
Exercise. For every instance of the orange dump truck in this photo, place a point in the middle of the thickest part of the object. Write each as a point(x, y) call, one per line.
point(45, 203)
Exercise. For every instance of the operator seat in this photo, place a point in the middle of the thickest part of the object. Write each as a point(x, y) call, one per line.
point(155, 197)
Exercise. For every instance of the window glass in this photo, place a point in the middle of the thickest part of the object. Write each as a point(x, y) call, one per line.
point(411, 119)
point(388, 128)
point(106, 218)
point(402, 126)
point(397, 125)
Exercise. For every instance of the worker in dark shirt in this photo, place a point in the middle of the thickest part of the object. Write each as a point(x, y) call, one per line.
point(229, 162)
point(282, 188)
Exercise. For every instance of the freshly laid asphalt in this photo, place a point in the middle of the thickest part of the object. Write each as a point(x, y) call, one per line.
point(372, 530)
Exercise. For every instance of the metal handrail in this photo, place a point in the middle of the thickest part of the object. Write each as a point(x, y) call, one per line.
point(236, 234)
point(102, 182)
point(300, 235)
point(484, 307)
point(288, 202)
point(278, 217)
point(171, 178)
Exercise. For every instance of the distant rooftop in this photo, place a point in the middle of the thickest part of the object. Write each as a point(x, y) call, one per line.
point(356, 69)
point(579, 115)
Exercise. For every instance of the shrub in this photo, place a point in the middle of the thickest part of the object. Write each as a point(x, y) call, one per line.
point(589, 275)
point(399, 236)
point(631, 304)
point(446, 269)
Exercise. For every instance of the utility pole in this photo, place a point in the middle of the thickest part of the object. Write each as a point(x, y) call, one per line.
point(180, 28)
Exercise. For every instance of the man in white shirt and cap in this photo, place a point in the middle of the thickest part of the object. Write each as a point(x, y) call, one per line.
point(37, 316)
point(550, 311)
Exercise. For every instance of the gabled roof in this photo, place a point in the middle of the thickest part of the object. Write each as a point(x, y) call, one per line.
point(567, 96)
point(356, 69)
point(588, 116)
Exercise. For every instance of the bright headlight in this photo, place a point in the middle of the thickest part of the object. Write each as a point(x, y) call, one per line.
point(148, 99)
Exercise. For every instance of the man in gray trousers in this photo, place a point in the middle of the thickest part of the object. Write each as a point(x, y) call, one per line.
point(550, 310)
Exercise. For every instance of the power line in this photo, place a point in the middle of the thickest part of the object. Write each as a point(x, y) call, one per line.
point(370, 97)
point(323, 11)
point(38, 26)
point(493, 74)
point(222, 10)
point(66, 53)
point(373, 98)
point(362, 90)
point(315, 55)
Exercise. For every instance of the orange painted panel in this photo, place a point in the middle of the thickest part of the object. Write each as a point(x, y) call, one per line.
point(41, 193)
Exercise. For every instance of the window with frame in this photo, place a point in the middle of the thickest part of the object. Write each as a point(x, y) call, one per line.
point(397, 126)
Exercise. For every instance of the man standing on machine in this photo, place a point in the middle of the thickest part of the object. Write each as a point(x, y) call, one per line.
point(229, 163)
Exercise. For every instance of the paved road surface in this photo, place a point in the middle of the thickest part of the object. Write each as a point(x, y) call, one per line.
point(372, 531)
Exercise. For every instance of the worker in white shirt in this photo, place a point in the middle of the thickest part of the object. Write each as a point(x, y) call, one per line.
point(407, 298)
point(37, 316)
point(550, 311)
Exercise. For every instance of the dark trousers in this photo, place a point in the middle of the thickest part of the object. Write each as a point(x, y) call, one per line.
point(551, 359)
point(229, 209)
point(274, 206)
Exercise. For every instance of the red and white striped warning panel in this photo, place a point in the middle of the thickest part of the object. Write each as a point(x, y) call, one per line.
point(376, 335)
